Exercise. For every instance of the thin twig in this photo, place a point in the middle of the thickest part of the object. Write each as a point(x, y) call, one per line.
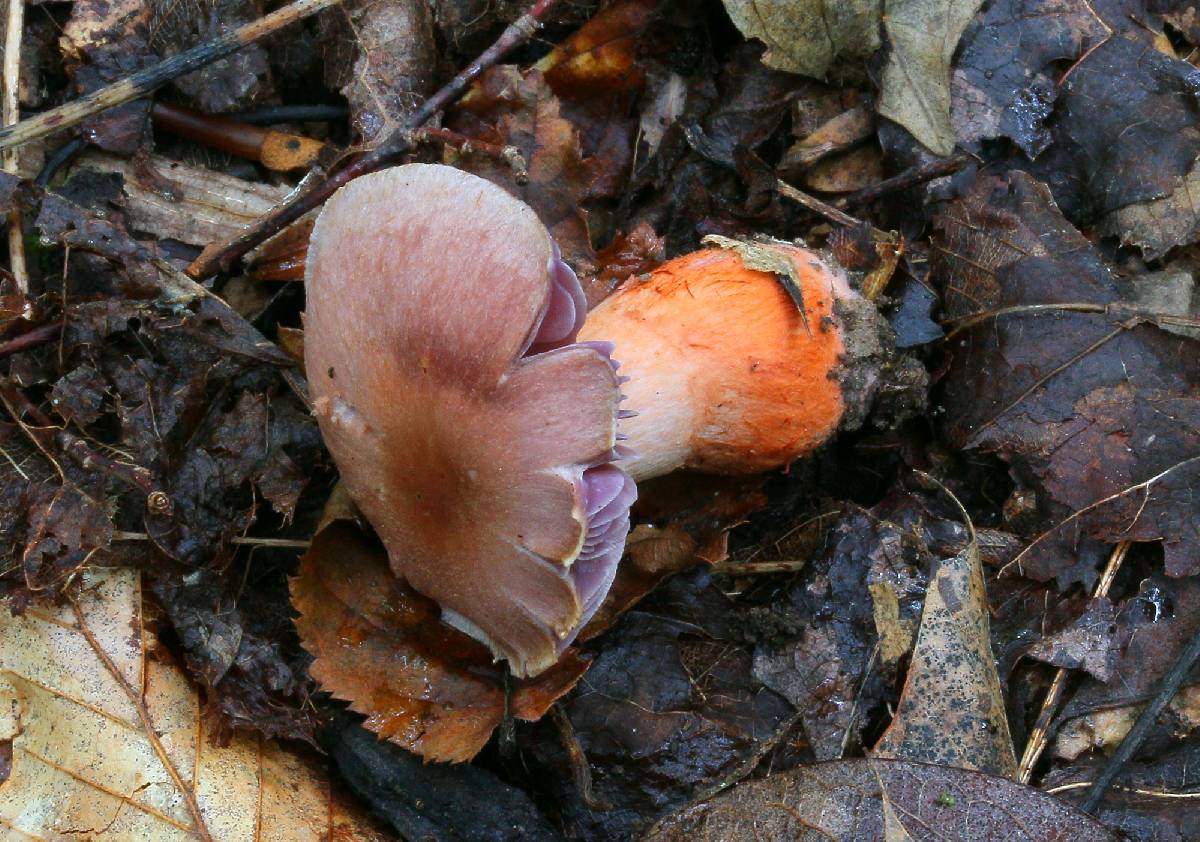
point(31, 339)
point(751, 568)
point(1040, 735)
point(240, 540)
point(11, 113)
point(144, 81)
point(1141, 729)
point(909, 178)
point(970, 320)
point(139, 703)
point(816, 205)
point(507, 155)
point(581, 770)
point(221, 256)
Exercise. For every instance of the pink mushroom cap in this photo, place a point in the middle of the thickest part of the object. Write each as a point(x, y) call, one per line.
point(474, 433)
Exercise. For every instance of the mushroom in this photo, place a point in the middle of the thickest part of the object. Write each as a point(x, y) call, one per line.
point(473, 415)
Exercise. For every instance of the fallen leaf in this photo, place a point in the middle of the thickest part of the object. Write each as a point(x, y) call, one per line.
point(601, 56)
point(1088, 643)
point(1091, 404)
point(381, 55)
point(915, 89)
point(951, 710)
point(107, 740)
point(833, 644)
point(239, 80)
point(1005, 81)
point(868, 800)
point(1126, 139)
point(1141, 802)
point(382, 647)
point(805, 36)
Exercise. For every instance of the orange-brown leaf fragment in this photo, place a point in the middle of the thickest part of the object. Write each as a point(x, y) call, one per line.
point(380, 645)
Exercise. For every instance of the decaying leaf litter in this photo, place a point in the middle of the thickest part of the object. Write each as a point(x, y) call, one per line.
point(974, 594)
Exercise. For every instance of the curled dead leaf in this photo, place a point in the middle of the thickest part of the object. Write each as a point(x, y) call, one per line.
point(381, 646)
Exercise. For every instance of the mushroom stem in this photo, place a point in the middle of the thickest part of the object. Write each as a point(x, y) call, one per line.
point(725, 372)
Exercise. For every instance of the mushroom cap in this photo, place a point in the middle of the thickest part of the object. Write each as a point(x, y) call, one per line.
point(473, 434)
point(726, 374)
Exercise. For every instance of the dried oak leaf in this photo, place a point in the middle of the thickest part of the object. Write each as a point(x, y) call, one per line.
point(1004, 81)
point(877, 800)
point(1085, 397)
point(104, 737)
point(381, 646)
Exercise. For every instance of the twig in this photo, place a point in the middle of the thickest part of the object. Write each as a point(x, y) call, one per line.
point(144, 81)
point(30, 339)
point(751, 568)
point(239, 540)
point(220, 257)
point(909, 178)
point(509, 155)
point(279, 151)
point(1141, 729)
point(138, 700)
point(1040, 735)
point(15, 25)
point(816, 205)
point(49, 437)
point(581, 770)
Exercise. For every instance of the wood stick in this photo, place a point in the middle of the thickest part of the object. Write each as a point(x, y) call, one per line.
point(221, 256)
point(15, 25)
point(144, 81)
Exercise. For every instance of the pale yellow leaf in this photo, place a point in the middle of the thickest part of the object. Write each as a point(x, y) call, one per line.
point(108, 744)
point(805, 36)
point(915, 91)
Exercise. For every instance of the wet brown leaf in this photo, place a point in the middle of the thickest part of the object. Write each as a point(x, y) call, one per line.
point(381, 646)
point(1004, 81)
point(1088, 401)
point(669, 712)
point(891, 800)
point(601, 56)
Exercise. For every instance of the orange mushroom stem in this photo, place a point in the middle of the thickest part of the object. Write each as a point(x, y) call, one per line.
point(726, 373)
